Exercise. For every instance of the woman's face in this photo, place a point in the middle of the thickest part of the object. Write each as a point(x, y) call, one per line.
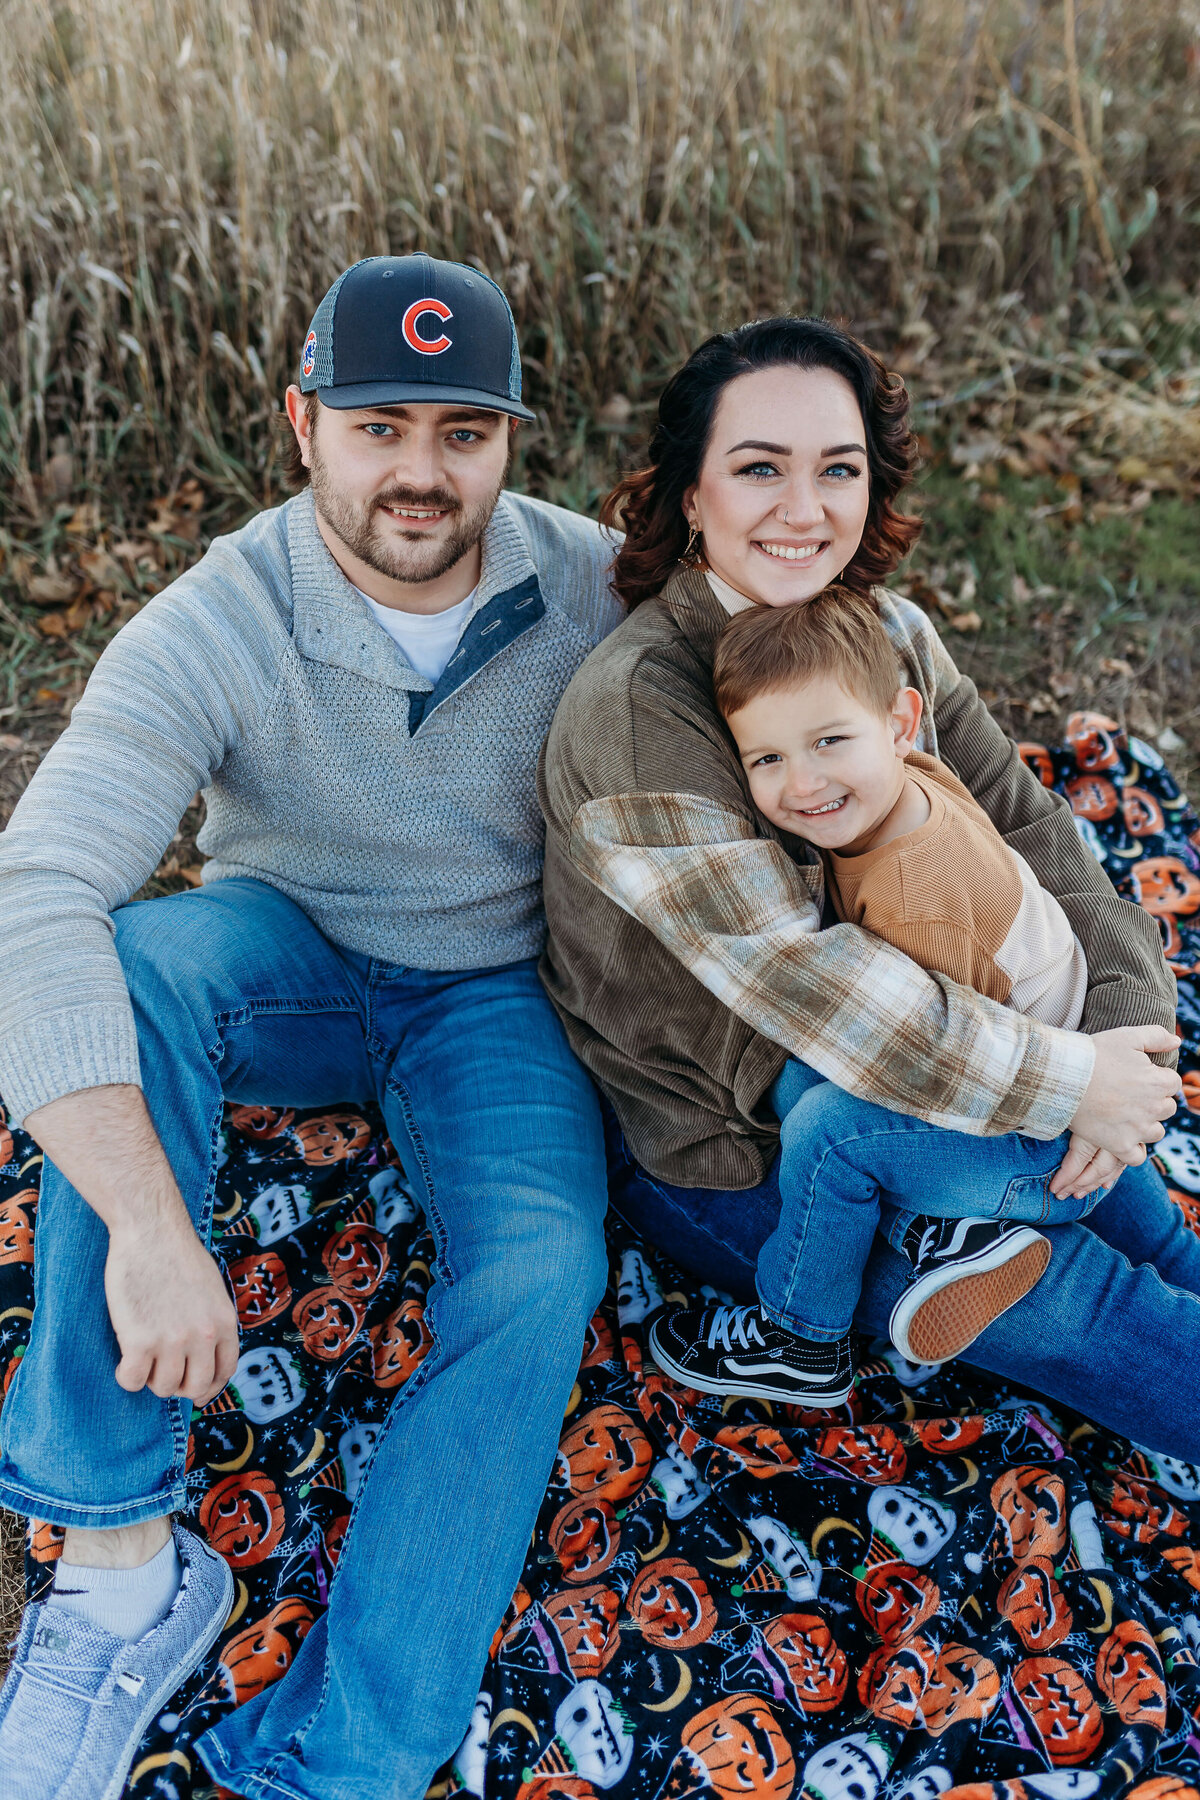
point(783, 489)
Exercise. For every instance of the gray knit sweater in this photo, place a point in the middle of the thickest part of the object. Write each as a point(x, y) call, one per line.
point(401, 816)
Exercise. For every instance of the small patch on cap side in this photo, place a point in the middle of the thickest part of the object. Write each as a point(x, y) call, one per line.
point(308, 360)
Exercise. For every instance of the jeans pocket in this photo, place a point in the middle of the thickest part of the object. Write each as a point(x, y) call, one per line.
point(1027, 1197)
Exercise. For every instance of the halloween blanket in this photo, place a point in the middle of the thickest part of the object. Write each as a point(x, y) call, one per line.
point(947, 1584)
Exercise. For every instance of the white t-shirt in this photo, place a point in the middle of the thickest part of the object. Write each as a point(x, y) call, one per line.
point(428, 640)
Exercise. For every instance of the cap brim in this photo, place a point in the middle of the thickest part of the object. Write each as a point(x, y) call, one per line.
point(418, 393)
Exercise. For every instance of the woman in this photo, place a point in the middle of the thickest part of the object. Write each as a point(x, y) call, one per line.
point(685, 954)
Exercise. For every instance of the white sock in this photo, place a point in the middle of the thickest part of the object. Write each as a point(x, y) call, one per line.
point(126, 1602)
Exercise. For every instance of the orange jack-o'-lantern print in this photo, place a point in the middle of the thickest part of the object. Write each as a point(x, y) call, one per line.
point(963, 1685)
point(1185, 1561)
point(357, 1260)
point(606, 1453)
point(1061, 1707)
point(870, 1453)
point(671, 1606)
point(557, 1787)
point(1038, 758)
point(1093, 738)
point(258, 1123)
point(332, 1137)
point(586, 1621)
point(948, 1437)
point(1139, 1510)
point(242, 1518)
point(1142, 813)
point(1031, 1503)
point(896, 1599)
point(261, 1289)
point(6, 1143)
point(1164, 1787)
point(1129, 1673)
point(1034, 1605)
point(1165, 886)
point(742, 1750)
point(585, 1536)
point(45, 1540)
point(814, 1660)
point(334, 1534)
point(1191, 1090)
point(599, 1345)
point(894, 1677)
point(1092, 797)
point(16, 1226)
point(263, 1652)
point(759, 1449)
point(401, 1343)
point(328, 1321)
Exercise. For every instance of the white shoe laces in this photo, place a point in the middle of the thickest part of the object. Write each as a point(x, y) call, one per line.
point(730, 1325)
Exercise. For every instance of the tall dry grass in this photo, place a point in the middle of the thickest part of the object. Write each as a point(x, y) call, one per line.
point(181, 179)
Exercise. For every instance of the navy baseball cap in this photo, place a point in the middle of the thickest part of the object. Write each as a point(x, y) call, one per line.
point(399, 330)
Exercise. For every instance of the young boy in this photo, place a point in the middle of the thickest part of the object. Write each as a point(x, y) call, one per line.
point(826, 732)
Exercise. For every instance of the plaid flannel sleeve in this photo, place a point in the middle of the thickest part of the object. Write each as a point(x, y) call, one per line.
point(746, 921)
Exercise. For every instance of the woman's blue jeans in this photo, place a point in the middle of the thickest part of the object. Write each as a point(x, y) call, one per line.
point(1110, 1330)
point(849, 1168)
point(237, 995)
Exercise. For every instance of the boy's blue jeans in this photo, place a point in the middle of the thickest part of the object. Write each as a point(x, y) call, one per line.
point(237, 994)
point(848, 1169)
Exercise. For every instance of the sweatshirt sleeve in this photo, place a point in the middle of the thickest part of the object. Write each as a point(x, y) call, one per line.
point(170, 697)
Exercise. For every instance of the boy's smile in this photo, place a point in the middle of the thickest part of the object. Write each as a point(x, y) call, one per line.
point(825, 766)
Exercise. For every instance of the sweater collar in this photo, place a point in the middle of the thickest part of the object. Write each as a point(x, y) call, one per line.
point(331, 622)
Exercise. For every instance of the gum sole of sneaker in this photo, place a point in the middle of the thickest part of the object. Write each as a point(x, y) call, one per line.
point(747, 1390)
point(952, 1318)
point(156, 1701)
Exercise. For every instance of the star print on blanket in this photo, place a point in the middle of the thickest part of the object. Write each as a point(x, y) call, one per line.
point(947, 1584)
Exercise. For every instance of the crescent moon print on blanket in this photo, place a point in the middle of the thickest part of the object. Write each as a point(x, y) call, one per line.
point(946, 1587)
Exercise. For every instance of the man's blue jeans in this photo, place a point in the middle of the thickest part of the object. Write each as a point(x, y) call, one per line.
point(1110, 1330)
point(238, 995)
point(848, 1169)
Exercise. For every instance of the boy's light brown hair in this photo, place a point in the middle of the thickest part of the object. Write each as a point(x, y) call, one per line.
point(768, 649)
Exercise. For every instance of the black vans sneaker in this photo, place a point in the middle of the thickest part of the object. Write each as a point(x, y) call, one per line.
point(966, 1272)
point(737, 1350)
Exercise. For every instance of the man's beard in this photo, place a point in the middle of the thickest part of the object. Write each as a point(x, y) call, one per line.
point(412, 559)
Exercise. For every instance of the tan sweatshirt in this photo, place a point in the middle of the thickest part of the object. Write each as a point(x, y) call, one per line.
point(958, 900)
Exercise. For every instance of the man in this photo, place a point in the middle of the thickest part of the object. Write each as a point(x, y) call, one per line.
point(359, 682)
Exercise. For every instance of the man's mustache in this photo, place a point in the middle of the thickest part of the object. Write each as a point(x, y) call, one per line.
point(436, 500)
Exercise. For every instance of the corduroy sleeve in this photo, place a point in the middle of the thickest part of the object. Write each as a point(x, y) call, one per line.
point(1129, 982)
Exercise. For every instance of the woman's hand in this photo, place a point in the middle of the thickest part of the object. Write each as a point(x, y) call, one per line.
point(1084, 1169)
point(1128, 1096)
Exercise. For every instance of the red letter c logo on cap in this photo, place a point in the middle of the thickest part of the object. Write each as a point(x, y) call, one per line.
point(426, 346)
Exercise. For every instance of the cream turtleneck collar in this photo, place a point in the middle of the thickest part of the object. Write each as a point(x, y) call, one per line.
point(730, 598)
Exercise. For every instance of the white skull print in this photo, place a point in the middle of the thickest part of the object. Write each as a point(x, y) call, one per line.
point(638, 1293)
point(470, 1759)
point(915, 1524)
point(680, 1483)
point(354, 1447)
point(596, 1732)
point(851, 1769)
point(267, 1383)
point(787, 1556)
point(394, 1201)
point(1179, 1153)
point(1090, 837)
point(927, 1784)
point(908, 1374)
point(1063, 1784)
point(1182, 1479)
point(279, 1210)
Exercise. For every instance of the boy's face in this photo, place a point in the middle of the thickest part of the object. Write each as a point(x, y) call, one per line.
point(822, 764)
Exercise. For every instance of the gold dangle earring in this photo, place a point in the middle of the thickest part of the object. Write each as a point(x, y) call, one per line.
point(692, 558)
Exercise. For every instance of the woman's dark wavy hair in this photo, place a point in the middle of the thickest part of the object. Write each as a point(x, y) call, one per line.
point(648, 504)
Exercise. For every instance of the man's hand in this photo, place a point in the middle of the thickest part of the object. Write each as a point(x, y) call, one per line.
point(1128, 1096)
point(1084, 1169)
point(174, 1320)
